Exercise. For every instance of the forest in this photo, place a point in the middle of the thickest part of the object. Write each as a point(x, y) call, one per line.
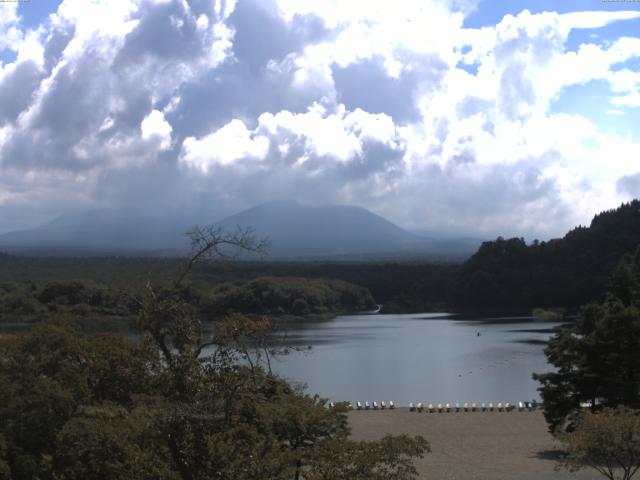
point(78, 406)
point(504, 274)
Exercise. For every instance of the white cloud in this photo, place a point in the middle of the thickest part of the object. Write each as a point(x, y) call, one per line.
point(155, 127)
point(596, 19)
point(224, 147)
point(10, 33)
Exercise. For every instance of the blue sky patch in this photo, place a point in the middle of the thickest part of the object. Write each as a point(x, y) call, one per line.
point(35, 12)
point(593, 101)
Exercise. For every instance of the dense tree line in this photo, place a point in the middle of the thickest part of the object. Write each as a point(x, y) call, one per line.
point(399, 286)
point(288, 295)
point(566, 272)
point(29, 302)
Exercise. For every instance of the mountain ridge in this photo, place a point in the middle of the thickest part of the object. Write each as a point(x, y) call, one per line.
point(296, 231)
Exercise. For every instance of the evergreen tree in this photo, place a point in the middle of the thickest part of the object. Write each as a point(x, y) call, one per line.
point(598, 358)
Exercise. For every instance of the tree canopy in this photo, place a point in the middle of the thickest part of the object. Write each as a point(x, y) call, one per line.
point(565, 272)
point(608, 442)
point(597, 359)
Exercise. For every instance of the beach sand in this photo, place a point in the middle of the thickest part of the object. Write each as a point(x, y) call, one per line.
point(473, 446)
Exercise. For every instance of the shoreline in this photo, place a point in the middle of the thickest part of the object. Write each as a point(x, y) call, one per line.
point(472, 445)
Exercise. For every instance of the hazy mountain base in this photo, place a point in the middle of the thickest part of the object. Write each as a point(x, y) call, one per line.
point(296, 232)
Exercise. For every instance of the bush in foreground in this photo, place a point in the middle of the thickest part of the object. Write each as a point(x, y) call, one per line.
point(608, 441)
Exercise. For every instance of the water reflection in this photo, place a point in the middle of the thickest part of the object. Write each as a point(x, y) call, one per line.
point(423, 357)
point(413, 357)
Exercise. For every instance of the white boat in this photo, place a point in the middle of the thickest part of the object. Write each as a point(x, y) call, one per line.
point(372, 312)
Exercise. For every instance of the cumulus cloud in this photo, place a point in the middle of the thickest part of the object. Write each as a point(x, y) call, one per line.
point(397, 107)
point(154, 127)
point(225, 146)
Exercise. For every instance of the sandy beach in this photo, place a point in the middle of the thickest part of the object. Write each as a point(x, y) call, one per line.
point(473, 446)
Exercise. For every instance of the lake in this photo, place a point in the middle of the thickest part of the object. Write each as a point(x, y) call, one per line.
point(418, 357)
point(433, 358)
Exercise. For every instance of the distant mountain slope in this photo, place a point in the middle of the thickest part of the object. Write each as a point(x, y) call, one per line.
point(569, 271)
point(297, 230)
point(98, 232)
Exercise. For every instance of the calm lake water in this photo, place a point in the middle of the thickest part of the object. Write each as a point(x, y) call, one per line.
point(434, 358)
point(418, 357)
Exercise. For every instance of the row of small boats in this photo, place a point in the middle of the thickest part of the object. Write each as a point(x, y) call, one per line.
point(473, 407)
point(382, 405)
point(446, 407)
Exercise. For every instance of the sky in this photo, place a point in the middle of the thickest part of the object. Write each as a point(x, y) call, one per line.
point(474, 117)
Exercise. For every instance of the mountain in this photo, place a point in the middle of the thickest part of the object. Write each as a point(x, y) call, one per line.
point(100, 233)
point(295, 232)
point(335, 231)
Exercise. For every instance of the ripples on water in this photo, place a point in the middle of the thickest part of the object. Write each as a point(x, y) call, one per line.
point(435, 357)
point(419, 357)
